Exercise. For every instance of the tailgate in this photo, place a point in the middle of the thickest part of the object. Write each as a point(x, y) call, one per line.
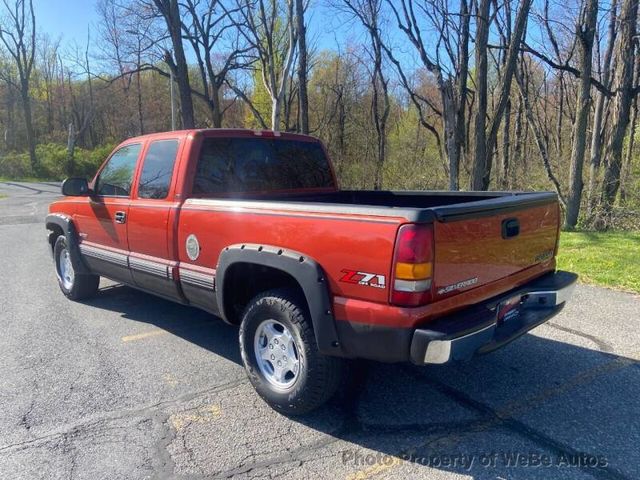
point(476, 245)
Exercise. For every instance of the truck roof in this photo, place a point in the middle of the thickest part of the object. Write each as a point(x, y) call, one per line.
point(223, 132)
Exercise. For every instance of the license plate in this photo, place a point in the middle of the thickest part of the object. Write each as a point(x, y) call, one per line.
point(509, 309)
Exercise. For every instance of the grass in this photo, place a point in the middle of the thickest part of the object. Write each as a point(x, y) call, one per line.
point(610, 259)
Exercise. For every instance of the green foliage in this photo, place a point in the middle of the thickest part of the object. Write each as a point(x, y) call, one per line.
point(608, 259)
point(88, 161)
point(261, 101)
point(53, 162)
point(413, 162)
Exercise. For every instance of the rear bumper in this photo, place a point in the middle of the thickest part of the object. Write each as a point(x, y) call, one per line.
point(472, 331)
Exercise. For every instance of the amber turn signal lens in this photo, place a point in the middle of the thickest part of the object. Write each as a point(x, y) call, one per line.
point(413, 271)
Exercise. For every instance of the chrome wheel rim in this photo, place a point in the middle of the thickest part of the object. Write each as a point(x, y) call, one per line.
point(65, 269)
point(277, 354)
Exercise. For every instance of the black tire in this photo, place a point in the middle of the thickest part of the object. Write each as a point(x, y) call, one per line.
point(318, 376)
point(78, 286)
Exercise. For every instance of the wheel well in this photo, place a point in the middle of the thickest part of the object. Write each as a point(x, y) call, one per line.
point(243, 281)
point(55, 232)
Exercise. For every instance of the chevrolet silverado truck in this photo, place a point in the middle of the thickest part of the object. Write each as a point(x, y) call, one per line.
point(252, 227)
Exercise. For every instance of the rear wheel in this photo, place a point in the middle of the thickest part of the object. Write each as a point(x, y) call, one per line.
point(74, 285)
point(281, 357)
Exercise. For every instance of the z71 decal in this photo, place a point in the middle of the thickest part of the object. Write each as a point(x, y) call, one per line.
point(364, 278)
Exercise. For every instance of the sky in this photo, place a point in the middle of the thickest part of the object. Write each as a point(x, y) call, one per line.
point(68, 19)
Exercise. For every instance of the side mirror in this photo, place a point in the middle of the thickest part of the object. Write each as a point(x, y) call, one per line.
point(76, 187)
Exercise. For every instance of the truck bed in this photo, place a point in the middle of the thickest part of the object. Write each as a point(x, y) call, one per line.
point(471, 248)
point(415, 206)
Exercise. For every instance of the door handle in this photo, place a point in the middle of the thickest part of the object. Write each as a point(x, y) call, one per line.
point(120, 217)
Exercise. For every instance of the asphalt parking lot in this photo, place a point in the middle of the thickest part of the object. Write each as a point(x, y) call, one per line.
point(128, 386)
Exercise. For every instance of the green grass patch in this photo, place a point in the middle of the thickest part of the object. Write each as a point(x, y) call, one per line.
point(2, 195)
point(610, 259)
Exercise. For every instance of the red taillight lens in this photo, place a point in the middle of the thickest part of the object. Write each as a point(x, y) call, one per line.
point(412, 266)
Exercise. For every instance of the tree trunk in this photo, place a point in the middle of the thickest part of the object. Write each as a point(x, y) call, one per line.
point(626, 167)
point(28, 124)
point(461, 97)
point(585, 33)
point(302, 69)
point(451, 134)
point(517, 148)
point(381, 154)
point(9, 131)
point(540, 138)
point(171, 14)
point(504, 90)
point(71, 145)
point(216, 108)
point(596, 134)
point(622, 107)
point(276, 105)
point(480, 138)
point(506, 146)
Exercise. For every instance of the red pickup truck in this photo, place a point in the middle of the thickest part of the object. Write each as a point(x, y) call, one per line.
point(252, 227)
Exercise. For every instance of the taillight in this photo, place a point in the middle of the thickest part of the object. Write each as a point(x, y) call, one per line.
point(412, 266)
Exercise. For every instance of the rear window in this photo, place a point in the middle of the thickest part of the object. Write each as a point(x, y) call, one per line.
point(157, 169)
point(228, 165)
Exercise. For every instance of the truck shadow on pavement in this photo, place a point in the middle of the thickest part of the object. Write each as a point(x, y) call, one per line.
point(556, 403)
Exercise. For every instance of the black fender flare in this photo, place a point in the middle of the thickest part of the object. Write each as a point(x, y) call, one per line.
point(305, 270)
point(65, 223)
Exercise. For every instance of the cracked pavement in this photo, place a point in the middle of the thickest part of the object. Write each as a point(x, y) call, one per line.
point(129, 386)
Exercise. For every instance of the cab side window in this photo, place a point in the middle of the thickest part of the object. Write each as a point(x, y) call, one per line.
point(116, 177)
point(157, 169)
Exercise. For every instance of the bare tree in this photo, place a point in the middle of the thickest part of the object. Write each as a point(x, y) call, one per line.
point(596, 131)
point(451, 73)
point(47, 60)
point(303, 96)
point(485, 143)
point(209, 28)
point(503, 172)
point(626, 166)
point(482, 68)
point(623, 84)
point(529, 96)
point(270, 28)
point(18, 35)
point(585, 32)
point(368, 14)
point(176, 60)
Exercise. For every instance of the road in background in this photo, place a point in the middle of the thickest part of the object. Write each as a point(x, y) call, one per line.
point(128, 386)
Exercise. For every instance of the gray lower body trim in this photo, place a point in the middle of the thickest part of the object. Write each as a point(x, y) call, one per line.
point(198, 279)
point(119, 259)
point(151, 267)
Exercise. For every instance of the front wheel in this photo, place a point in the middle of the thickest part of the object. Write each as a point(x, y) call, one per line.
point(281, 357)
point(74, 285)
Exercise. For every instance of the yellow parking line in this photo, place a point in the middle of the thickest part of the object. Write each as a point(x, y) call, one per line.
point(204, 414)
point(140, 336)
point(374, 470)
point(158, 331)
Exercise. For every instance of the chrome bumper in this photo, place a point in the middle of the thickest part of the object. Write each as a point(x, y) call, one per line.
point(479, 330)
